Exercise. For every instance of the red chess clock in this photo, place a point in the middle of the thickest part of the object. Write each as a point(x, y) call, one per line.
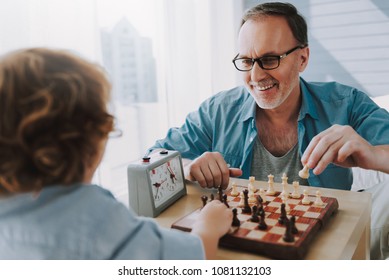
point(155, 182)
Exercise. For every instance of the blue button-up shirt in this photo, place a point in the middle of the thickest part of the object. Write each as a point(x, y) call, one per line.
point(225, 123)
point(85, 222)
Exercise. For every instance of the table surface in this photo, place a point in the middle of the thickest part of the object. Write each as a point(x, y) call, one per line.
point(346, 236)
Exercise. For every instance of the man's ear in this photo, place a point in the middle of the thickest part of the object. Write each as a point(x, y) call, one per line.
point(304, 57)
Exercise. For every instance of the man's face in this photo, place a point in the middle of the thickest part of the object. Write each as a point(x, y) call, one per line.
point(271, 35)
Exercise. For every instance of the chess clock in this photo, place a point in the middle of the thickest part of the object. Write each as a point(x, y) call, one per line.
point(155, 182)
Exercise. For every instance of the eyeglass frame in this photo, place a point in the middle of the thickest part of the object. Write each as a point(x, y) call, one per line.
point(115, 133)
point(259, 62)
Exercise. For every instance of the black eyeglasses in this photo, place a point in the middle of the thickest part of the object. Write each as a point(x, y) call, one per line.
point(267, 62)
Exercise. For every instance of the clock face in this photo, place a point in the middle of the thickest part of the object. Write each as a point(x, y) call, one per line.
point(166, 180)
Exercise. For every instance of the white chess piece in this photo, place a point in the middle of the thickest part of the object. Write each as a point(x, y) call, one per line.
point(304, 173)
point(262, 193)
point(296, 193)
point(241, 201)
point(270, 190)
point(234, 191)
point(285, 191)
point(318, 201)
point(251, 187)
point(305, 199)
point(252, 198)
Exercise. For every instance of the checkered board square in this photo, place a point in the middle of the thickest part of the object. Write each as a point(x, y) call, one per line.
point(270, 242)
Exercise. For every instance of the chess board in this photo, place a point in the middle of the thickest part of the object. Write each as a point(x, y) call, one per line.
point(248, 237)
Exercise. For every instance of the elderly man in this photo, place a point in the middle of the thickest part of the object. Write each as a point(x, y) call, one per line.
point(279, 122)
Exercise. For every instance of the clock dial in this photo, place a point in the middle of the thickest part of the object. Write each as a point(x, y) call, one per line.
point(166, 180)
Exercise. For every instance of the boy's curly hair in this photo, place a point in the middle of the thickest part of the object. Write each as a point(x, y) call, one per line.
point(53, 118)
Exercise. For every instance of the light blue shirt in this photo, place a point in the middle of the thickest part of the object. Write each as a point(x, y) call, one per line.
point(85, 222)
point(225, 123)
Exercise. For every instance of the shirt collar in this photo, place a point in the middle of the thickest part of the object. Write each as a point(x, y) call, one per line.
point(248, 108)
point(307, 105)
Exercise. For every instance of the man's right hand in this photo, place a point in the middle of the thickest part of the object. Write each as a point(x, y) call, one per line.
point(211, 171)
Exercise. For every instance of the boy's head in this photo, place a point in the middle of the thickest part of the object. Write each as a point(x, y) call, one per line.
point(53, 119)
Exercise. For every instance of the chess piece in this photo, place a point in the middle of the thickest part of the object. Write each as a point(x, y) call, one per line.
point(262, 223)
point(262, 194)
point(305, 199)
point(270, 190)
point(212, 197)
point(254, 216)
point(225, 200)
point(246, 208)
point(296, 193)
point(294, 229)
point(204, 199)
point(288, 236)
point(304, 173)
point(259, 200)
point(241, 201)
point(318, 201)
point(252, 198)
point(250, 186)
point(220, 193)
point(283, 216)
point(284, 186)
point(235, 220)
point(260, 210)
point(285, 201)
point(234, 191)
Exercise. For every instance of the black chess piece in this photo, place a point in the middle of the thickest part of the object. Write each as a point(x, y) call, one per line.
point(235, 220)
point(288, 236)
point(212, 197)
point(254, 217)
point(204, 199)
point(282, 217)
point(262, 223)
point(225, 200)
point(220, 192)
point(260, 210)
point(294, 229)
point(246, 208)
point(260, 200)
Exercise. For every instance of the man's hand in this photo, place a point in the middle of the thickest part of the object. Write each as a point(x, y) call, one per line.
point(211, 171)
point(340, 145)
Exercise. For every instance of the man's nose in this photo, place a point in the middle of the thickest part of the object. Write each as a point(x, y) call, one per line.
point(257, 73)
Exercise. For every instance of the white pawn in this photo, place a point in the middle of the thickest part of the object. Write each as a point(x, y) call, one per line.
point(318, 201)
point(270, 190)
point(304, 173)
point(241, 201)
point(262, 193)
point(251, 187)
point(284, 186)
point(252, 198)
point(234, 191)
point(305, 199)
point(296, 193)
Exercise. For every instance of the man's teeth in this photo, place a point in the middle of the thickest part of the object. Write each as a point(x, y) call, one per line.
point(264, 87)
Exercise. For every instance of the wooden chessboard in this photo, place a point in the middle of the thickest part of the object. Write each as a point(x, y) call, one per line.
point(309, 220)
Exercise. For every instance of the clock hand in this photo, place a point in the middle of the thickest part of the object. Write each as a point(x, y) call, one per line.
point(172, 175)
point(157, 185)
